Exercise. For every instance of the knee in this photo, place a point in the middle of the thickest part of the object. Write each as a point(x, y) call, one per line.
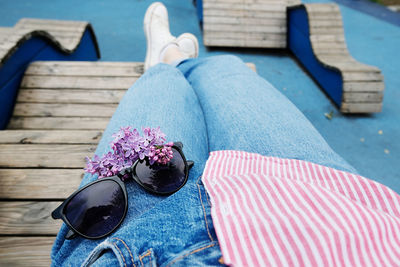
point(228, 60)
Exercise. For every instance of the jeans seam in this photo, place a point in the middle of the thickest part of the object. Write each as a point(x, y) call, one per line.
point(120, 252)
point(130, 253)
point(204, 210)
point(190, 253)
point(148, 253)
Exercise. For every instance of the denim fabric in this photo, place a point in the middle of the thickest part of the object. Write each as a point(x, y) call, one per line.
point(245, 112)
point(208, 104)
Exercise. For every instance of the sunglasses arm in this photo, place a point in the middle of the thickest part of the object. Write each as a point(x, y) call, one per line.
point(70, 235)
point(190, 163)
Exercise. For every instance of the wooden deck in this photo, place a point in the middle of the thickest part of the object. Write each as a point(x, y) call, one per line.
point(245, 23)
point(61, 111)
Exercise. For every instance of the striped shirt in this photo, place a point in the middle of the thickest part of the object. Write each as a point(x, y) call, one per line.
point(282, 212)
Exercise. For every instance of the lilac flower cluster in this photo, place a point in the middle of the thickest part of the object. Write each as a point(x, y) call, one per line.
point(127, 147)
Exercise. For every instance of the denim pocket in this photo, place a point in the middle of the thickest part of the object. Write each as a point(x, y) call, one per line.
point(201, 254)
point(115, 251)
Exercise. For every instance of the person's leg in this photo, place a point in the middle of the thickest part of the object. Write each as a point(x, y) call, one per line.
point(161, 97)
point(245, 112)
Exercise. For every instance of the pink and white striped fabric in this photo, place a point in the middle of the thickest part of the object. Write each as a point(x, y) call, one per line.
point(280, 212)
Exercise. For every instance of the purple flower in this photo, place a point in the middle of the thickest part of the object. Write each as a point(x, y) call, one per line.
point(128, 146)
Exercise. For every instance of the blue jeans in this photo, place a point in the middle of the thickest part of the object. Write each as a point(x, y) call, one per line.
point(209, 104)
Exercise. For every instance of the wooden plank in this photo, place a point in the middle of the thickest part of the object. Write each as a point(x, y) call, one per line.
point(363, 86)
point(72, 96)
point(245, 28)
point(332, 51)
point(361, 107)
point(277, 6)
point(28, 218)
point(55, 22)
point(64, 110)
point(50, 136)
point(329, 45)
point(362, 76)
point(44, 155)
point(92, 69)
point(58, 123)
point(355, 67)
point(322, 7)
point(77, 82)
point(323, 22)
point(261, 36)
point(25, 251)
point(241, 20)
point(53, 27)
point(244, 13)
point(325, 15)
point(351, 97)
point(245, 43)
point(327, 38)
point(326, 30)
point(39, 183)
point(91, 64)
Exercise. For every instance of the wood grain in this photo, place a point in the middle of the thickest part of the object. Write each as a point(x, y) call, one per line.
point(87, 69)
point(269, 6)
point(71, 96)
point(243, 13)
point(260, 36)
point(362, 76)
point(39, 183)
point(77, 82)
point(246, 21)
point(351, 97)
point(53, 156)
point(28, 218)
point(25, 251)
point(52, 123)
point(50, 136)
point(244, 28)
point(64, 110)
point(245, 43)
point(360, 107)
point(363, 87)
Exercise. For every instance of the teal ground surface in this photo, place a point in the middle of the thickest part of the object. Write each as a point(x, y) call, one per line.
point(118, 26)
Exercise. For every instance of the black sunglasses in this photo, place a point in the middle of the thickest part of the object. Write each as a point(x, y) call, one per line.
point(97, 209)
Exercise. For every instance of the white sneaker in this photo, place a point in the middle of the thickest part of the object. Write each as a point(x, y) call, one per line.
point(188, 45)
point(156, 29)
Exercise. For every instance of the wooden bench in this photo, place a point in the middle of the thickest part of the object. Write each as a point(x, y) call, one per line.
point(61, 111)
point(316, 37)
point(38, 39)
point(245, 23)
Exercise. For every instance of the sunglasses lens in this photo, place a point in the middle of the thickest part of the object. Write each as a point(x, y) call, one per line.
point(96, 210)
point(163, 178)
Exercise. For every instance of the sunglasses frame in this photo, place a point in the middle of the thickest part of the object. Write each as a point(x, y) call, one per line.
point(59, 212)
point(188, 164)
